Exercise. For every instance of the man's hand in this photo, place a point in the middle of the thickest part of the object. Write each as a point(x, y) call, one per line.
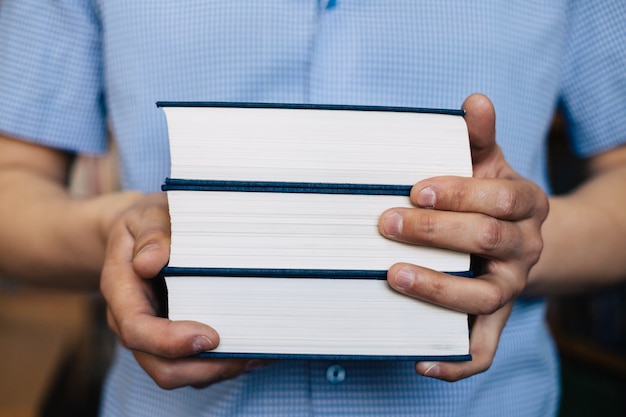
point(138, 247)
point(496, 216)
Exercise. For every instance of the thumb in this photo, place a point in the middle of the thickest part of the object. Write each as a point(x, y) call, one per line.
point(150, 228)
point(480, 117)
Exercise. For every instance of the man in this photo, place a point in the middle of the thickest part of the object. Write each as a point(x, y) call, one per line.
point(73, 67)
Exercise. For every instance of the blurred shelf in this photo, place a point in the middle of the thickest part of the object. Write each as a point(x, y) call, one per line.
point(42, 332)
point(586, 352)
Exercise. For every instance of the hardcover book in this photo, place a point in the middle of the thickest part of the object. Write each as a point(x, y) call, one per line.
point(274, 217)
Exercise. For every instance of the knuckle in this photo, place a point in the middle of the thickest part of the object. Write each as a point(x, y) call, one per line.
point(535, 249)
point(126, 335)
point(484, 363)
point(164, 377)
point(490, 235)
point(458, 198)
point(438, 290)
point(492, 301)
point(506, 203)
point(427, 227)
point(149, 236)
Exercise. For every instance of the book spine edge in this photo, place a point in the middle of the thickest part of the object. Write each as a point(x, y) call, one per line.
point(259, 105)
point(286, 356)
point(172, 271)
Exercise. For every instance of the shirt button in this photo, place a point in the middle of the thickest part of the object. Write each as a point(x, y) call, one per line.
point(335, 374)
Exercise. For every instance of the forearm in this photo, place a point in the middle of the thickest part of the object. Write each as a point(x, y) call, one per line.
point(584, 238)
point(49, 237)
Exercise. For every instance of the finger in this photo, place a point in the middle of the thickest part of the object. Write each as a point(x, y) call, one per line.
point(480, 117)
point(500, 198)
point(172, 349)
point(196, 372)
point(484, 337)
point(238, 367)
point(464, 232)
point(477, 296)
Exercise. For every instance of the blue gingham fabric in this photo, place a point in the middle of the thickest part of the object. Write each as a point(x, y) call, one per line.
point(70, 68)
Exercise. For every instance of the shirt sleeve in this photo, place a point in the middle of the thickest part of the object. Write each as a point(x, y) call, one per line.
point(594, 78)
point(51, 74)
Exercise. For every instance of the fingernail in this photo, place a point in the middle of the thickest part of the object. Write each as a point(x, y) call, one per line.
point(202, 344)
point(404, 278)
point(426, 198)
point(392, 224)
point(432, 369)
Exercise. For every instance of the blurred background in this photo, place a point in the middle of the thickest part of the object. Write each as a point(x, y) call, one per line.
point(589, 329)
point(55, 346)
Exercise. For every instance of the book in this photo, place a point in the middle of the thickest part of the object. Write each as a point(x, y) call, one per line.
point(274, 215)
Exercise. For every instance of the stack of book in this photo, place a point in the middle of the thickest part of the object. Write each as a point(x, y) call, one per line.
point(274, 216)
